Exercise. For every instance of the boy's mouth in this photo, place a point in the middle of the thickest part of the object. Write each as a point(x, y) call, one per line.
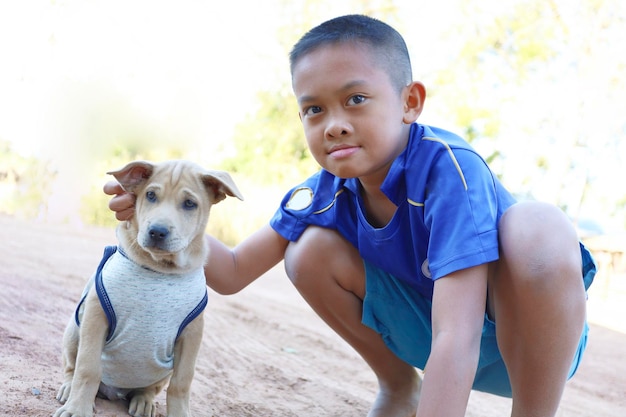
point(342, 151)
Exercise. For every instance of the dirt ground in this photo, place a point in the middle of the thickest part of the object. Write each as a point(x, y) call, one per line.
point(264, 352)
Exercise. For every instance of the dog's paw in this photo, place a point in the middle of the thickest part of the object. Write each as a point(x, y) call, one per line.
point(142, 405)
point(67, 411)
point(176, 408)
point(64, 392)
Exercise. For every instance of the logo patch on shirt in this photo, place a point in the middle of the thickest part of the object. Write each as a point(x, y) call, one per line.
point(300, 199)
point(426, 269)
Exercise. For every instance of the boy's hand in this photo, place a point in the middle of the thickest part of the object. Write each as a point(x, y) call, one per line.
point(123, 204)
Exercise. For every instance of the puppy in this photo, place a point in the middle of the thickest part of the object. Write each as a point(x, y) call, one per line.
point(139, 323)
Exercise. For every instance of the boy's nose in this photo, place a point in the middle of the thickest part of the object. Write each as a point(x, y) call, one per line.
point(337, 128)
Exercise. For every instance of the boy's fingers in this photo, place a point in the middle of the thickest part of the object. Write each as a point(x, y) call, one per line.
point(122, 202)
point(125, 214)
point(113, 188)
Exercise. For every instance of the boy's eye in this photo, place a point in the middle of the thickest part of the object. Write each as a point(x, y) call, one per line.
point(356, 99)
point(309, 111)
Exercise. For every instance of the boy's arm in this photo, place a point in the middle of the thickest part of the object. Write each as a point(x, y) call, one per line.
point(459, 303)
point(229, 270)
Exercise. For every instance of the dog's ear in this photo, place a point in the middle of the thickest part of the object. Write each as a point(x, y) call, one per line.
point(220, 184)
point(133, 174)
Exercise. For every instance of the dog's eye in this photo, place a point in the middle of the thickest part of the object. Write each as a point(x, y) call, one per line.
point(151, 196)
point(189, 205)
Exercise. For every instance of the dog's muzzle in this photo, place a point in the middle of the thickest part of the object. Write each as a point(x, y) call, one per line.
point(157, 236)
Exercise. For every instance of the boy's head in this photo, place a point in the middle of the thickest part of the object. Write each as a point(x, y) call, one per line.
point(382, 40)
point(352, 79)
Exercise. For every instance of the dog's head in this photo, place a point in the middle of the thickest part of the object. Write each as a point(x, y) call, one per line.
point(171, 212)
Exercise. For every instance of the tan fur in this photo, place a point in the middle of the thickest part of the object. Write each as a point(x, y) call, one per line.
point(166, 234)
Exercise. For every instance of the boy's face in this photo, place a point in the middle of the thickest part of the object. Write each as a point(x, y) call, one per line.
point(355, 121)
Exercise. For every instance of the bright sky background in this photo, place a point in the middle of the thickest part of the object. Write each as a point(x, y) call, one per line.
point(189, 70)
point(184, 70)
point(189, 66)
point(176, 62)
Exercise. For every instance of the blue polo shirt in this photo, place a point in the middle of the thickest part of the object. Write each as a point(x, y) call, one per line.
point(449, 204)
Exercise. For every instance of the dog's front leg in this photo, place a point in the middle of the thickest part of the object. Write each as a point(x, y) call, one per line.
point(185, 354)
point(70, 350)
point(88, 369)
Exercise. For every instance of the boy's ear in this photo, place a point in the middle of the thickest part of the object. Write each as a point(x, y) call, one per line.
point(414, 97)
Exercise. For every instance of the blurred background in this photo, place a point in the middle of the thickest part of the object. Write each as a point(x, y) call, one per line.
point(537, 86)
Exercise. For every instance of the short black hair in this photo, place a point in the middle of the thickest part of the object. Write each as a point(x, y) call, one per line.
point(384, 40)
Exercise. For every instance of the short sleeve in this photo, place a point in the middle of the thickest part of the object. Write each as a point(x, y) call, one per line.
point(289, 223)
point(461, 213)
point(321, 200)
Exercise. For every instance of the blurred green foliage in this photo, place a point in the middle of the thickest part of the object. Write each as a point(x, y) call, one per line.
point(511, 57)
point(25, 183)
point(269, 146)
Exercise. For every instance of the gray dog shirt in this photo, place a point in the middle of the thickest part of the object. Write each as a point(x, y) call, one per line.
point(146, 311)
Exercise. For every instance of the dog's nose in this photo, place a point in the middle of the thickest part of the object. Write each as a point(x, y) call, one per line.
point(158, 233)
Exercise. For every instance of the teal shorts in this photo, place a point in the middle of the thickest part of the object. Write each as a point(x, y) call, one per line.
point(402, 316)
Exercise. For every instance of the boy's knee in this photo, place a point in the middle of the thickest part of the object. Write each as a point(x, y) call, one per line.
point(312, 250)
point(538, 241)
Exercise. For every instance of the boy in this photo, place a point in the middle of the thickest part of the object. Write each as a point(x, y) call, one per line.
point(408, 246)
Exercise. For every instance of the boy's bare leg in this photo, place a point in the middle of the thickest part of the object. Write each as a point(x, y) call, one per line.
point(537, 296)
point(329, 273)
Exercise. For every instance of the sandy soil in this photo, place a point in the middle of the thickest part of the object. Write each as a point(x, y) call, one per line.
point(264, 352)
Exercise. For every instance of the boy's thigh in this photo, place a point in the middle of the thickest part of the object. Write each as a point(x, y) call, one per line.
point(402, 316)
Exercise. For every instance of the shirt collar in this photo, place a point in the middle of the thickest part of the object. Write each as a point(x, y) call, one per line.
point(394, 185)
